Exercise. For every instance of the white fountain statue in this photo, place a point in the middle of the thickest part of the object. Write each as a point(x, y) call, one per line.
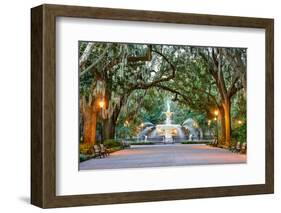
point(168, 113)
point(168, 130)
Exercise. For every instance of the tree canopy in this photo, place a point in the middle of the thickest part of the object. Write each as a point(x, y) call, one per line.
point(134, 81)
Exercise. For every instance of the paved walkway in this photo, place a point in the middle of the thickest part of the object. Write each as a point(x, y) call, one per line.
point(164, 155)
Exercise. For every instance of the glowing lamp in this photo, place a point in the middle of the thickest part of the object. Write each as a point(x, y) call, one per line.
point(101, 104)
point(216, 112)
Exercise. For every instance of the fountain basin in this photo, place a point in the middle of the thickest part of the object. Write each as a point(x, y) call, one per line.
point(170, 129)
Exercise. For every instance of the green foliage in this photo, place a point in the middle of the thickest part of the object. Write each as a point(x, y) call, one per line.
point(181, 112)
point(84, 157)
point(153, 107)
point(142, 143)
point(111, 143)
point(239, 107)
point(195, 142)
point(123, 131)
point(115, 148)
point(85, 149)
point(240, 133)
point(239, 113)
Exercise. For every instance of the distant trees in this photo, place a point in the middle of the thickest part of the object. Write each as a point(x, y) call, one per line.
point(124, 76)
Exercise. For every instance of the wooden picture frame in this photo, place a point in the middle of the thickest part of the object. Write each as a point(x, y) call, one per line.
point(43, 105)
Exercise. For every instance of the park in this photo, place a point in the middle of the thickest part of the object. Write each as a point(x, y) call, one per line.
point(152, 105)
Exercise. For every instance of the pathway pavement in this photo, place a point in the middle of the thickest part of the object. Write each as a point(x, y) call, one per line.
point(140, 156)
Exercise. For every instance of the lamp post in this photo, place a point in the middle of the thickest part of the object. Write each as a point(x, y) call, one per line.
point(209, 127)
point(142, 127)
point(216, 113)
point(101, 105)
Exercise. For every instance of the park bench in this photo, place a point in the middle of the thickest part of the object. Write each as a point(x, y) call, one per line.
point(214, 142)
point(232, 148)
point(103, 150)
point(243, 148)
point(237, 147)
point(97, 151)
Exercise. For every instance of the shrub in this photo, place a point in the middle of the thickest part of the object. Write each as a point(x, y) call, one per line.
point(142, 143)
point(240, 133)
point(195, 142)
point(114, 149)
point(86, 149)
point(83, 157)
point(110, 143)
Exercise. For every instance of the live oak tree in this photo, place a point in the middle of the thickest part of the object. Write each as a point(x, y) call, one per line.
point(228, 68)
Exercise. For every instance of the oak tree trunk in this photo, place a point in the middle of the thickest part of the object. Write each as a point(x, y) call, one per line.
point(227, 118)
point(90, 124)
point(222, 123)
point(108, 129)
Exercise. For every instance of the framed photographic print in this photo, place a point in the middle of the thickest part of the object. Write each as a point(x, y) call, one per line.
point(137, 106)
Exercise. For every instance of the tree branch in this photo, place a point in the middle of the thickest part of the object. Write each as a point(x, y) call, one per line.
point(166, 59)
point(146, 57)
point(157, 81)
point(234, 90)
point(84, 57)
point(95, 62)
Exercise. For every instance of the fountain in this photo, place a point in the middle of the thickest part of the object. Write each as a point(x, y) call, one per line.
point(167, 131)
point(195, 132)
